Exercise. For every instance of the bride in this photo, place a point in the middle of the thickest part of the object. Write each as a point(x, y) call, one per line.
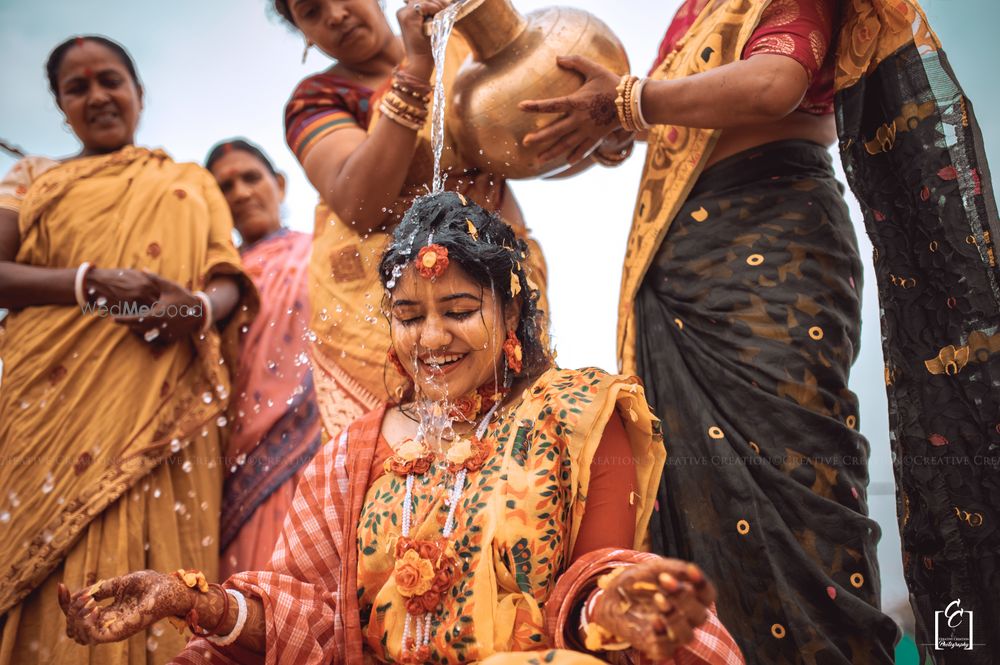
point(496, 514)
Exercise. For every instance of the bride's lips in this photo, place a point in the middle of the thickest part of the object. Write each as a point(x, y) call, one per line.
point(442, 367)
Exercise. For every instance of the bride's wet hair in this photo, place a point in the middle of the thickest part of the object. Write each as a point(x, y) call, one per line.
point(489, 258)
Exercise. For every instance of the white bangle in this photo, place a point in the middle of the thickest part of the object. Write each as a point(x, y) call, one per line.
point(640, 119)
point(78, 283)
point(241, 620)
point(206, 306)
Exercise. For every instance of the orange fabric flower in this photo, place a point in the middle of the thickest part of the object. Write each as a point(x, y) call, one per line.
point(468, 454)
point(410, 456)
point(428, 589)
point(432, 261)
point(413, 574)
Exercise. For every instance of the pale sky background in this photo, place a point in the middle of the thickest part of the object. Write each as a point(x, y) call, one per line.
point(213, 69)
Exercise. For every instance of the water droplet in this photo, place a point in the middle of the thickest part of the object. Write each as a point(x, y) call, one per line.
point(206, 541)
point(187, 466)
point(4, 517)
point(157, 493)
point(175, 445)
point(221, 421)
point(151, 334)
point(101, 302)
point(151, 644)
point(206, 398)
point(49, 484)
point(179, 508)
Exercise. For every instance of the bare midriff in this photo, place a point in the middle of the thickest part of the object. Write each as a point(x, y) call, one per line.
point(821, 129)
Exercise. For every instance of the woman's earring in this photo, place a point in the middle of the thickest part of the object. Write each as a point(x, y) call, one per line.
point(513, 352)
point(305, 51)
point(396, 363)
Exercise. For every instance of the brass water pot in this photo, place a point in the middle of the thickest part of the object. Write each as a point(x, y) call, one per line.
point(514, 58)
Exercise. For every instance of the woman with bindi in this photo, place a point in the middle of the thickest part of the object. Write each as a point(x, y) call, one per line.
point(361, 131)
point(495, 514)
point(274, 420)
point(127, 299)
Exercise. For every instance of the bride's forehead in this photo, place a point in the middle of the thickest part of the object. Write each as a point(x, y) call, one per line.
point(412, 286)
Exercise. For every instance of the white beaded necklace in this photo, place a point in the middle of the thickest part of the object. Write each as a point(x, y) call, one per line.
point(423, 623)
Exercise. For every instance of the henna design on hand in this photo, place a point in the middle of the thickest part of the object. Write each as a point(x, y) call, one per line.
point(137, 601)
point(655, 606)
point(602, 110)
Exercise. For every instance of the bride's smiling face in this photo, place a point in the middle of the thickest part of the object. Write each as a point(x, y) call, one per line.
point(448, 332)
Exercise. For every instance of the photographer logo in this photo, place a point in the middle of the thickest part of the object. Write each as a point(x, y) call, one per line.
point(953, 628)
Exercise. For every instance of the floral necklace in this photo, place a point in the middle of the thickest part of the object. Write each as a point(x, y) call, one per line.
point(425, 569)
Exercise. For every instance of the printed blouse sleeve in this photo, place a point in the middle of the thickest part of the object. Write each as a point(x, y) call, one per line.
point(799, 29)
point(321, 105)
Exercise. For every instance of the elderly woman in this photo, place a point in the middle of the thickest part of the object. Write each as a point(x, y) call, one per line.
point(493, 515)
point(740, 310)
point(274, 419)
point(125, 295)
point(360, 131)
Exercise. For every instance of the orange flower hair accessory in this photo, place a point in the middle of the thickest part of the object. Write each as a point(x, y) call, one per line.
point(432, 261)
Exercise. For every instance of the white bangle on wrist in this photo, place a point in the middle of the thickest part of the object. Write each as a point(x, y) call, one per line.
point(206, 306)
point(640, 119)
point(241, 620)
point(78, 284)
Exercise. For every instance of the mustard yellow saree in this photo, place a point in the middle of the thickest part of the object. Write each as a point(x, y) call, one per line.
point(114, 442)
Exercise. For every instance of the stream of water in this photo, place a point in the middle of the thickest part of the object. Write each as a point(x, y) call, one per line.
point(443, 23)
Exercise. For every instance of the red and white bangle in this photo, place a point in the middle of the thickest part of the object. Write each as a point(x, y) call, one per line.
point(79, 283)
point(241, 621)
point(206, 308)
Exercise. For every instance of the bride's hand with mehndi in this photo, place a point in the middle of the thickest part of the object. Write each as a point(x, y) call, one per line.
point(654, 606)
point(138, 600)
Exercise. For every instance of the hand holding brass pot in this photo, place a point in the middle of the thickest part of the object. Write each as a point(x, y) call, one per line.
point(514, 58)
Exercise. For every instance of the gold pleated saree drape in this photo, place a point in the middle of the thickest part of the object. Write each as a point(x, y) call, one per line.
point(111, 445)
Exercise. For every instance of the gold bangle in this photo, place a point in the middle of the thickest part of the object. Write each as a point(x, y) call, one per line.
point(410, 92)
point(391, 113)
point(416, 119)
point(402, 107)
point(620, 100)
point(624, 102)
point(414, 83)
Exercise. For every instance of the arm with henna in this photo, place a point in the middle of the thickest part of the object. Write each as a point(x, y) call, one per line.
point(760, 90)
point(140, 599)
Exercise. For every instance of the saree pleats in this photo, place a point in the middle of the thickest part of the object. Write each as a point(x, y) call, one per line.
point(275, 420)
point(747, 324)
point(162, 523)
